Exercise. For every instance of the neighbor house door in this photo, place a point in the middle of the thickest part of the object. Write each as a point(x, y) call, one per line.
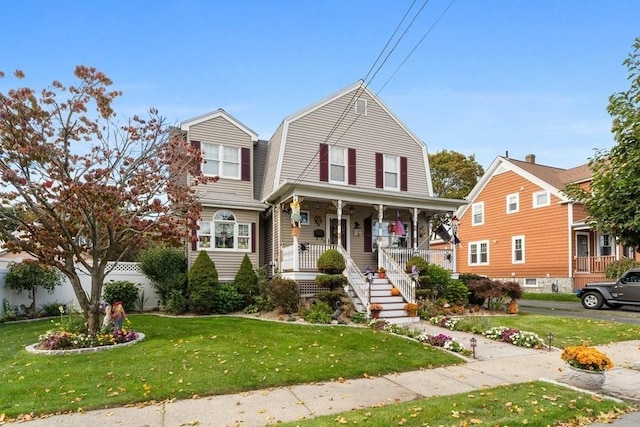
point(582, 252)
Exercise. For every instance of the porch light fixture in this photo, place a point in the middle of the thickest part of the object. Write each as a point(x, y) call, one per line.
point(317, 204)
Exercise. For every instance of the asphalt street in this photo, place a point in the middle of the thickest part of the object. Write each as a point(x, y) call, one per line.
point(625, 314)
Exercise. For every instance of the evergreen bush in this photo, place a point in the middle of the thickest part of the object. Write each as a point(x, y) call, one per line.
point(227, 299)
point(203, 281)
point(423, 267)
point(456, 293)
point(166, 268)
point(246, 281)
point(176, 302)
point(331, 281)
point(331, 261)
point(122, 290)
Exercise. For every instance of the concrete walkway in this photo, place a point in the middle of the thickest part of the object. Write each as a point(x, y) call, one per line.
point(495, 364)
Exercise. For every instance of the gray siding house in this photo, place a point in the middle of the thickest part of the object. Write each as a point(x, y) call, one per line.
point(343, 173)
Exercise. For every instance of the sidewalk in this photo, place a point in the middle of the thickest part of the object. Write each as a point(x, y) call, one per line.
point(495, 364)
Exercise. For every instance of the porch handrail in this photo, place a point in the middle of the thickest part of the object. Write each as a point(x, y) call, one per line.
point(397, 276)
point(357, 280)
point(440, 257)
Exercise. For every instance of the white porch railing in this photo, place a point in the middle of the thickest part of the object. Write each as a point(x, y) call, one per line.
point(357, 280)
point(441, 257)
point(397, 275)
point(306, 259)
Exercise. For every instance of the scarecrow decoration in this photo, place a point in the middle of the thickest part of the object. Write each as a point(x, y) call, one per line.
point(295, 218)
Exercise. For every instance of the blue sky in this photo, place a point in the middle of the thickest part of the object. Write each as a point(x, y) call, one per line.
point(491, 76)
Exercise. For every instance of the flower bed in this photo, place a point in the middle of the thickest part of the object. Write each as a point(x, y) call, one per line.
point(498, 333)
point(440, 340)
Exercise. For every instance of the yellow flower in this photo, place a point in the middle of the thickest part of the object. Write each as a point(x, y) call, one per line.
point(585, 357)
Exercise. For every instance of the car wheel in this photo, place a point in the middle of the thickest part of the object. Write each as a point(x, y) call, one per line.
point(592, 300)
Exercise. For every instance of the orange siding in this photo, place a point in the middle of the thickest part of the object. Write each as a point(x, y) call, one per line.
point(545, 230)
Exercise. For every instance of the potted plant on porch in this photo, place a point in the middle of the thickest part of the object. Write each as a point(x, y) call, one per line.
point(382, 272)
point(587, 366)
point(411, 308)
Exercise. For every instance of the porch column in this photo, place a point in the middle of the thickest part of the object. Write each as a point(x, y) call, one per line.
point(339, 206)
point(380, 209)
point(414, 229)
point(296, 254)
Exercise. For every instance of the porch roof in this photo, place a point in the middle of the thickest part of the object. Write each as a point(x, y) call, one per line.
point(363, 196)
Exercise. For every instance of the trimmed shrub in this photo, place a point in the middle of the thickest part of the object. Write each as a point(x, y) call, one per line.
point(203, 280)
point(122, 290)
point(331, 281)
point(227, 299)
point(456, 292)
point(332, 297)
point(512, 289)
point(246, 281)
point(285, 294)
point(167, 270)
point(331, 262)
point(617, 268)
point(438, 275)
point(176, 303)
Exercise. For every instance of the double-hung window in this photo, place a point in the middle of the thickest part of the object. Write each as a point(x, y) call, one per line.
point(391, 172)
point(517, 250)
point(338, 165)
point(221, 160)
point(224, 233)
point(479, 253)
point(604, 248)
point(478, 213)
point(513, 203)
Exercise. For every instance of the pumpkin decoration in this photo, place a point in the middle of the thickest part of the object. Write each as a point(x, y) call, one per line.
point(395, 291)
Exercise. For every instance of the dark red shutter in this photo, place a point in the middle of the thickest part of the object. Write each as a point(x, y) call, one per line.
point(194, 239)
point(246, 164)
point(368, 234)
point(253, 237)
point(379, 170)
point(324, 162)
point(403, 174)
point(352, 166)
point(197, 146)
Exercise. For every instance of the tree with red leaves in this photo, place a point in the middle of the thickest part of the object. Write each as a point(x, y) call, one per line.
point(80, 189)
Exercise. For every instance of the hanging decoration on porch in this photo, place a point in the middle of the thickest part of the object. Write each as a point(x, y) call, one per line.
point(454, 229)
point(423, 231)
point(317, 219)
point(296, 218)
point(400, 231)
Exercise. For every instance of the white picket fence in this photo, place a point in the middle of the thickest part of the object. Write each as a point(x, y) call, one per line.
point(64, 294)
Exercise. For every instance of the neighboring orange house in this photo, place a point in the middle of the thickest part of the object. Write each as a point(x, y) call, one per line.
point(520, 226)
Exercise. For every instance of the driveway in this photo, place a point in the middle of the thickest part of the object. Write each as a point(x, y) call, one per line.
point(626, 314)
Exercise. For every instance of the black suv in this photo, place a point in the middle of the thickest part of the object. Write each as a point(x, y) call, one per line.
point(625, 291)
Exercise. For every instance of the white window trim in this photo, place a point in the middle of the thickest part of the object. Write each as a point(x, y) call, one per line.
point(221, 161)
point(397, 172)
point(535, 199)
point(236, 228)
point(599, 246)
point(517, 197)
point(526, 285)
point(473, 213)
point(345, 165)
point(478, 244)
point(513, 250)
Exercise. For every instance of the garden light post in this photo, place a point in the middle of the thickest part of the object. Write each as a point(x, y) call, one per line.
point(549, 339)
point(474, 344)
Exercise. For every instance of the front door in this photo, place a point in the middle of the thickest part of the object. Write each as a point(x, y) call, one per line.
point(332, 231)
point(582, 252)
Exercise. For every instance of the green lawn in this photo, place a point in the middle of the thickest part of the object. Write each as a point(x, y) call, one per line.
point(551, 297)
point(534, 404)
point(183, 357)
point(569, 330)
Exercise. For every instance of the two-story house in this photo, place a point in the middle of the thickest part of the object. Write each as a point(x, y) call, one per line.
point(344, 172)
point(520, 226)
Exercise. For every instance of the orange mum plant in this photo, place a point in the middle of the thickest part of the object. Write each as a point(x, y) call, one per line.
point(585, 357)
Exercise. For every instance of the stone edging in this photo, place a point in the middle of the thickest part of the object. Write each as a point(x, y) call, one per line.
point(32, 348)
